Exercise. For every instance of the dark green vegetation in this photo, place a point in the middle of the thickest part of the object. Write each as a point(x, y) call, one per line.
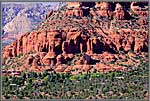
point(112, 85)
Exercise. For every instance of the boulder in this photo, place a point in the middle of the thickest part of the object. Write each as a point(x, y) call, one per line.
point(60, 68)
point(86, 68)
point(47, 60)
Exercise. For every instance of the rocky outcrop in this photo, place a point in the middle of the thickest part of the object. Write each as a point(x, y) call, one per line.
point(104, 9)
point(73, 4)
point(120, 13)
point(58, 40)
point(140, 8)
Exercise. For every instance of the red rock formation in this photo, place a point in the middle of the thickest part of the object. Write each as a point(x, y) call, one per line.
point(7, 52)
point(139, 10)
point(102, 67)
point(89, 46)
point(68, 69)
point(73, 4)
point(104, 9)
point(92, 12)
point(59, 59)
point(42, 54)
point(78, 12)
point(74, 9)
point(43, 40)
point(60, 68)
point(69, 12)
point(119, 13)
point(86, 68)
point(59, 40)
point(49, 59)
point(80, 61)
point(98, 4)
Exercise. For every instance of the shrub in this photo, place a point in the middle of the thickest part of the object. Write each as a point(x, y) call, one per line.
point(29, 80)
point(20, 55)
point(74, 77)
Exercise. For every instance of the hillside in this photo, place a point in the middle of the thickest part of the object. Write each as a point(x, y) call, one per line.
point(94, 35)
point(82, 38)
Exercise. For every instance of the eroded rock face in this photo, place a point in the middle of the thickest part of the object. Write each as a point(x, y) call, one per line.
point(140, 8)
point(36, 62)
point(77, 43)
point(73, 4)
point(104, 9)
point(106, 68)
point(142, 21)
point(74, 12)
point(86, 68)
point(49, 59)
point(140, 44)
point(120, 13)
point(41, 42)
point(7, 52)
point(107, 57)
point(60, 68)
point(81, 42)
point(74, 9)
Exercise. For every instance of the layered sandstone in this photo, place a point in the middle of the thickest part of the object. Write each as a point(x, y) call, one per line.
point(99, 36)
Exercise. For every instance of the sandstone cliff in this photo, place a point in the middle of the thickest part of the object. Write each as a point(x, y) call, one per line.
point(98, 34)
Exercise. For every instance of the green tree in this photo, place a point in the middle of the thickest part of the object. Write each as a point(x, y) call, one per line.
point(47, 78)
point(29, 80)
